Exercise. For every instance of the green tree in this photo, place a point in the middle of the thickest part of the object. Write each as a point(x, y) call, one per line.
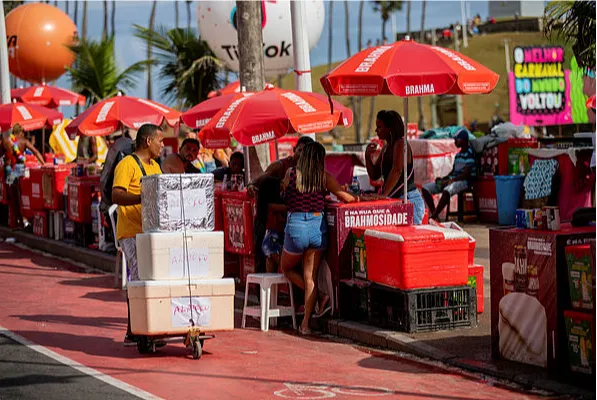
point(188, 67)
point(10, 5)
point(96, 75)
point(574, 23)
point(386, 9)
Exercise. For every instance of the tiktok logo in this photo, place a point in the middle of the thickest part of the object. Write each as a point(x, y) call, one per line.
point(263, 15)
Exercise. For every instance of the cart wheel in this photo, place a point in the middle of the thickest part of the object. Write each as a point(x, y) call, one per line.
point(197, 349)
point(143, 345)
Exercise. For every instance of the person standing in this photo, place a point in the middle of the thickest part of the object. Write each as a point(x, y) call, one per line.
point(306, 234)
point(126, 192)
point(390, 163)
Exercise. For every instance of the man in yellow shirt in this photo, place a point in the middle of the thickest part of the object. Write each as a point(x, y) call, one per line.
point(126, 192)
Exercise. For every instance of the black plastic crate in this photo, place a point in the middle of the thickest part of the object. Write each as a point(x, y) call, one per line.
point(353, 299)
point(422, 309)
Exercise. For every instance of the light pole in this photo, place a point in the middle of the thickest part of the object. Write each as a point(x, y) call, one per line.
point(4, 74)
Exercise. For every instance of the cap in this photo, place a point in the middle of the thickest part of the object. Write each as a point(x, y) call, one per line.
point(462, 134)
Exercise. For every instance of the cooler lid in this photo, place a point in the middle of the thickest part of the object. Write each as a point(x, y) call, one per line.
point(417, 233)
point(180, 282)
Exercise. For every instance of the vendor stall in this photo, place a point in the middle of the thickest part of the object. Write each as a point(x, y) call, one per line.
point(530, 293)
point(432, 158)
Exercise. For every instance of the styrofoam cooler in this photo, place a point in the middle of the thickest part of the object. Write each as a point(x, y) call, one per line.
point(164, 307)
point(161, 256)
point(415, 257)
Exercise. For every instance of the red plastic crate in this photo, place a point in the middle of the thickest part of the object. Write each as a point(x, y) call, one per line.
point(486, 194)
point(37, 195)
point(415, 257)
point(40, 223)
point(239, 216)
point(476, 272)
point(53, 181)
point(81, 191)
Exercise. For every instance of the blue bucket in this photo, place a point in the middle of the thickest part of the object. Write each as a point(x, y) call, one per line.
point(508, 188)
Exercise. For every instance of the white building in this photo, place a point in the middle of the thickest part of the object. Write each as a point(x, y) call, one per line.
point(508, 9)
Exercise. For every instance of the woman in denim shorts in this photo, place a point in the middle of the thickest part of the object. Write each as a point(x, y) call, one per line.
point(306, 233)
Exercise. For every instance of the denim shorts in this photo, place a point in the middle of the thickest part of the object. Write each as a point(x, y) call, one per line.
point(305, 230)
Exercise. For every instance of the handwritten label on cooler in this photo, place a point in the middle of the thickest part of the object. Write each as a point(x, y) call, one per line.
point(195, 201)
point(198, 262)
point(181, 311)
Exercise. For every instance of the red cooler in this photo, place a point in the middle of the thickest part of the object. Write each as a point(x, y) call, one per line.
point(486, 194)
point(417, 257)
point(37, 195)
point(81, 190)
point(25, 186)
point(53, 181)
point(342, 217)
point(239, 217)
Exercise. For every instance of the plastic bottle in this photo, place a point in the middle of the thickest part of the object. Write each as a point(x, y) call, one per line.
point(355, 187)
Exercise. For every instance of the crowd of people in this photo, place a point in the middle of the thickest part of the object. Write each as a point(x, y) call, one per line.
point(291, 230)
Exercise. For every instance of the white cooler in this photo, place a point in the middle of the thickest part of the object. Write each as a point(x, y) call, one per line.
point(163, 308)
point(161, 255)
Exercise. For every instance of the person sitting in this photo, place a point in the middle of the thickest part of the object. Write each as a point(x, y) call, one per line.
point(236, 167)
point(182, 163)
point(306, 234)
point(460, 179)
point(390, 163)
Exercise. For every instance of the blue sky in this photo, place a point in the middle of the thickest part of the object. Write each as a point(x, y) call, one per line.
point(130, 50)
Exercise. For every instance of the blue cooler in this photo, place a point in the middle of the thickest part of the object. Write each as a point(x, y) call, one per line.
point(508, 188)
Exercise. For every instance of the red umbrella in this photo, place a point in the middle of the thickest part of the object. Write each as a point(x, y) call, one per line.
point(408, 69)
point(108, 115)
point(231, 88)
point(48, 96)
point(198, 116)
point(256, 118)
point(29, 116)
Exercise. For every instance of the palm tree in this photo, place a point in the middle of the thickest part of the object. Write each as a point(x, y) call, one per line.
point(408, 6)
point(189, 14)
point(176, 13)
point(421, 40)
point(96, 74)
point(113, 18)
point(188, 67)
point(84, 23)
point(76, 13)
point(330, 34)
point(66, 8)
point(574, 23)
point(149, 41)
point(353, 101)
point(105, 25)
point(385, 9)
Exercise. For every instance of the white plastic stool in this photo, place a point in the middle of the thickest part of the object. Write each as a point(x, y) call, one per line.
point(268, 302)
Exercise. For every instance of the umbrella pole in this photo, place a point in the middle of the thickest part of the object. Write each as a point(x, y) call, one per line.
point(247, 165)
point(405, 150)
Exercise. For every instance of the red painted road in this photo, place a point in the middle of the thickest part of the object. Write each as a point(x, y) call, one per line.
point(82, 317)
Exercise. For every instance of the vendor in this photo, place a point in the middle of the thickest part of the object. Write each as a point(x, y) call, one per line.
point(236, 167)
point(390, 163)
point(87, 149)
point(182, 163)
point(460, 179)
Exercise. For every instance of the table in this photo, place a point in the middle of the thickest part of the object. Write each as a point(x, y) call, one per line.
point(530, 292)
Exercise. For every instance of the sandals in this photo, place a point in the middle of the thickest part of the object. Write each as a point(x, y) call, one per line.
point(304, 332)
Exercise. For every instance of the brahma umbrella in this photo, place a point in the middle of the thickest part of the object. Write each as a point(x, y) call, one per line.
point(408, 69)
point(109, 115)
point(47, 96)
point(260, 117)
point(231, 88)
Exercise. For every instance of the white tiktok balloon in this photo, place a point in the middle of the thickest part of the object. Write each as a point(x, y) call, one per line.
point(215, 20)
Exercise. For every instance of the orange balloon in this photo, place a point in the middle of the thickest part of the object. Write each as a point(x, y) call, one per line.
point(38, 35)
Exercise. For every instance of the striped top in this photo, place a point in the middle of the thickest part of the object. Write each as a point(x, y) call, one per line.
point(302, 202)
point(465, 158)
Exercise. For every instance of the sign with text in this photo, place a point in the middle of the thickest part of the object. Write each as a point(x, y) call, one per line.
point(194, 201)
point(194, 263)
point(184, 307)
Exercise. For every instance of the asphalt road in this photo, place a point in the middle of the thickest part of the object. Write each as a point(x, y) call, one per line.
point(27, 374)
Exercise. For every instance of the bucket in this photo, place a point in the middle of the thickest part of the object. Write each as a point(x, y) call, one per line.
point(508, 188)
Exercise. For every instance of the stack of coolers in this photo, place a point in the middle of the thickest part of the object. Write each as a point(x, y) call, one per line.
point(180, 260)
point(413, 278)
point(580, 315)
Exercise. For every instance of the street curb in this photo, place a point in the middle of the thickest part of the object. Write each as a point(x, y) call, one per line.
point(92, 258)
point(396, 341)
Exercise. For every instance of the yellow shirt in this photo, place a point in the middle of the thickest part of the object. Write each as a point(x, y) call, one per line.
point(128, 177)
